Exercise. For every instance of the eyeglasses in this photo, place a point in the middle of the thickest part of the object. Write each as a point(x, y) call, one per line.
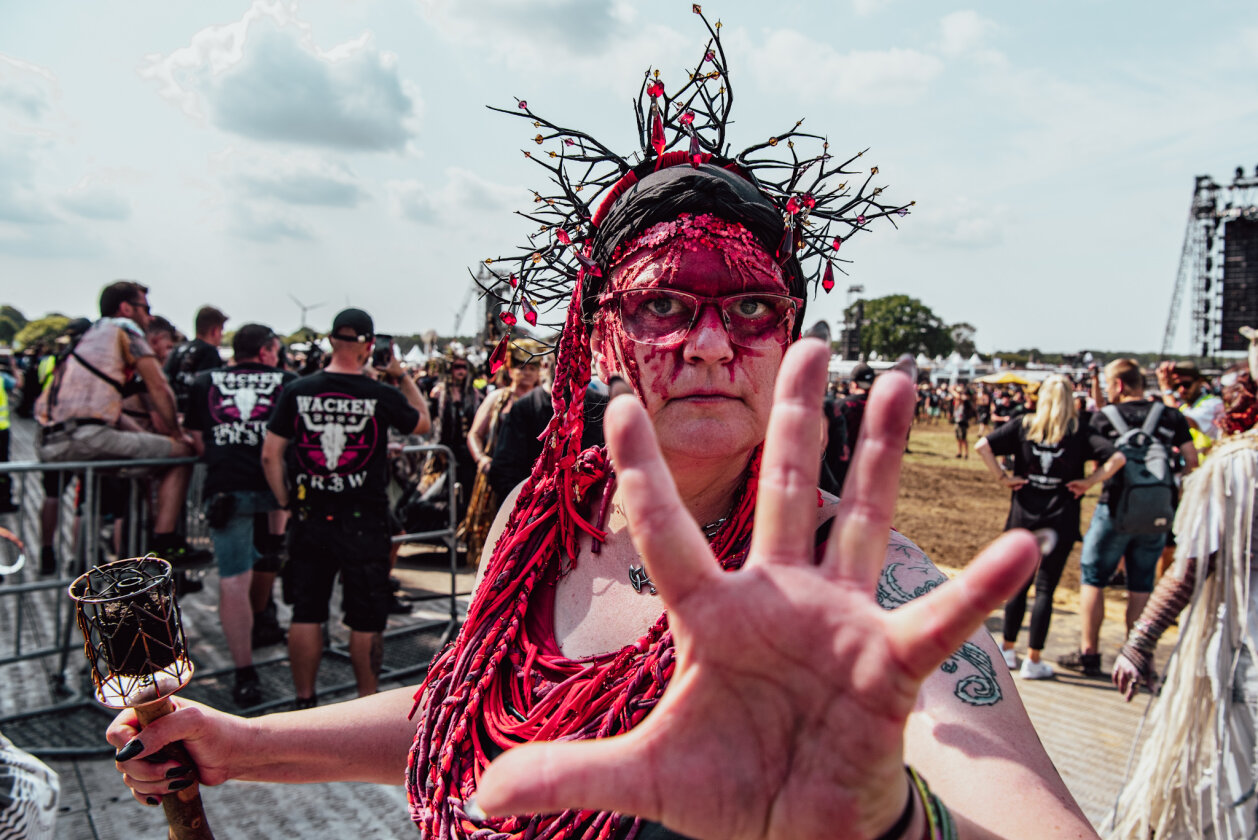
point(143, 307)
point(753, 320)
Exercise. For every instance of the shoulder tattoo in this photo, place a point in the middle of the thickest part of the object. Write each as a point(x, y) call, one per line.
point(909, 574)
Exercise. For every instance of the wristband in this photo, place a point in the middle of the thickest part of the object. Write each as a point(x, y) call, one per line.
point(896, 831)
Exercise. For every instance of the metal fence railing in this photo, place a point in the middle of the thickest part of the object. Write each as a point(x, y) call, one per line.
point(48, 707)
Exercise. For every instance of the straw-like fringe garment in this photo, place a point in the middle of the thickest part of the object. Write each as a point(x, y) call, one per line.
point(1195, 774)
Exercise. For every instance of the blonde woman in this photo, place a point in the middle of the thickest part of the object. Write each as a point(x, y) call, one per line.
point(1049, 449)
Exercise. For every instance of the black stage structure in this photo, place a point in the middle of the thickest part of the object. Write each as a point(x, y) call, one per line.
point(1219, 264)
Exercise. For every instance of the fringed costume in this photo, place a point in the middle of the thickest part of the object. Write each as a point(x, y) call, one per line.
point(1196, 771)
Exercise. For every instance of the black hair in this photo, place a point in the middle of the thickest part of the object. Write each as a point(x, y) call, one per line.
point(117, 293)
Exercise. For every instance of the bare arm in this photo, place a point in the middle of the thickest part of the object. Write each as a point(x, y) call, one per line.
point(1189, 451)
point(273, 447)
point(1104, 473)
point(479, 434)
point(984, 449)
point(970, 733)
point(313, 745)
point(409, 390)
point(159, 391)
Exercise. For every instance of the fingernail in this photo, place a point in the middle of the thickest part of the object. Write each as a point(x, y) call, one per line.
point(907, 366)
point(129, 750)
point(180, 784)
point(1046, 539)
point(473, 810)
point(617, 386)
point(153, 800)
point(181, 770)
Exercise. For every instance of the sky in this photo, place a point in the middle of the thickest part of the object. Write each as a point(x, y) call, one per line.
point(340, 152)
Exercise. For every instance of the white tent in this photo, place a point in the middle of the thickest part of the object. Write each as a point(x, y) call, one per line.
point(415, 356)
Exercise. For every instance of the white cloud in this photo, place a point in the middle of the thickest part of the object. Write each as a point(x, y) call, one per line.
point(961, 223)
point(301, 179)
point(464, 194)
point(25, 89)
point(266, 225)
point(20, 199)
point(963, 32)
point(93, 198)
point(581, 42)
point(865, 8)
point(895, 75)
point(264, 78)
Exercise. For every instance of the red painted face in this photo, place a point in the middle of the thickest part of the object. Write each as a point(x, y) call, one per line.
point(708, 397)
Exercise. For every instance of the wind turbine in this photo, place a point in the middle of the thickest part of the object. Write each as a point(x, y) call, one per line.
point(304, 309)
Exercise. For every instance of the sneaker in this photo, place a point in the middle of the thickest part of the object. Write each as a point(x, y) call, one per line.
point(1011, 657)
point(184, 557)
point(1087, 663)
point(398, 607)
point(1035, 670)
point(310, 702)
point(247, 693)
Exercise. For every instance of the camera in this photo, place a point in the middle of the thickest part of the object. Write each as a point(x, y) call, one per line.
point(383, 352)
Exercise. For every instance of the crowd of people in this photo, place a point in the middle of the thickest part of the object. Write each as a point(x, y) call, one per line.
point(692, 617)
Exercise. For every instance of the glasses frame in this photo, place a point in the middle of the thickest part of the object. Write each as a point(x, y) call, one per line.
point(702, 302)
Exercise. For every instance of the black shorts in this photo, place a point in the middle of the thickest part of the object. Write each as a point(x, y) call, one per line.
point(962, 430)
point(358, 551)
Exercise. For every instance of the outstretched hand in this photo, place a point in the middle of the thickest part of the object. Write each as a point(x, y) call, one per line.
point(785, 715)
point(1127, 678)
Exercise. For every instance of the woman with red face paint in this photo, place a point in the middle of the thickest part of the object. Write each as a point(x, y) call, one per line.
point(679, 635)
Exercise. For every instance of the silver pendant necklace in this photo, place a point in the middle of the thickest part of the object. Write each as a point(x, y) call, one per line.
point(640, 580)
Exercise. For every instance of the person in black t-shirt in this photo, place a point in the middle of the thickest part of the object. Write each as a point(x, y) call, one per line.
point(1048, 450)
point(334, 424)
point(962, 417)
point(852, 407)
point(228, 409)
point(1103, 545)
point(189, 359)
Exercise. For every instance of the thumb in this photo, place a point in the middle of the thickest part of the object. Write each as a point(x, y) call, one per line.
point(552, 776)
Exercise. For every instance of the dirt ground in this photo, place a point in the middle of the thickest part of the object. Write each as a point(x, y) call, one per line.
point(952, 507)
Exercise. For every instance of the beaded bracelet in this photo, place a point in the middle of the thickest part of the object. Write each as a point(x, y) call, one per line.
point(939, 824)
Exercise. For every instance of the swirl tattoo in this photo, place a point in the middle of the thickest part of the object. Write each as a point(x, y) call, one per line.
point(911, 575)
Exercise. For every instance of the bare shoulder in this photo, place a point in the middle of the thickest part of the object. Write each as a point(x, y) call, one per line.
point(907, 573)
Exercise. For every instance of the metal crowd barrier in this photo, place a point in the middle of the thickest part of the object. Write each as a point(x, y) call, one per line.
point(39, 642)
point(38, 638)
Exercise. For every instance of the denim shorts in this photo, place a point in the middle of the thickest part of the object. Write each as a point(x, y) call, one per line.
point(233, 543)
point(1103, 547)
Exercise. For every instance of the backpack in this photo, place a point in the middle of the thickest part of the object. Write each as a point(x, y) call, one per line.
point(1145, 504)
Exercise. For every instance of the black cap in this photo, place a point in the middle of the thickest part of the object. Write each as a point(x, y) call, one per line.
point(863, 374)
point(352, 325)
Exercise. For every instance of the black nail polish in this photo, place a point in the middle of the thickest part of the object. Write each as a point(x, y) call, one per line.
point(180, 784)
point(129, 750)
point(181, 770)
point(153, 800)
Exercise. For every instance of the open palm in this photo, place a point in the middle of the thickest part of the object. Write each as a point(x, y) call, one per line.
point(785, 715)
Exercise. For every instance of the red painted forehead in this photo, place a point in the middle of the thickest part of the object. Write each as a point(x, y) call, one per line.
point(701, 254)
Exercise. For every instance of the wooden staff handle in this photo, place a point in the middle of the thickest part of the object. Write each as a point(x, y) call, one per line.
point(184, 813)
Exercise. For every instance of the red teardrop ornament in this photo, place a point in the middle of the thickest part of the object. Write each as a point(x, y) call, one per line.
point(792, 205)
point(655, 89)
point(837, 242)
point(507, 318)
point(514, 280)
point(563, 237)
point(591, 267)
point(786, 248)
point(696, 155)
point(499, 356)
point(809, 201)
point(530, 312)
point(657, 131)
point(827, 279)
point(687, 118)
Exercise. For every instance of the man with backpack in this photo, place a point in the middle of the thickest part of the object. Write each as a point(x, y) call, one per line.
point(80, 411)
point(1134, 514)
